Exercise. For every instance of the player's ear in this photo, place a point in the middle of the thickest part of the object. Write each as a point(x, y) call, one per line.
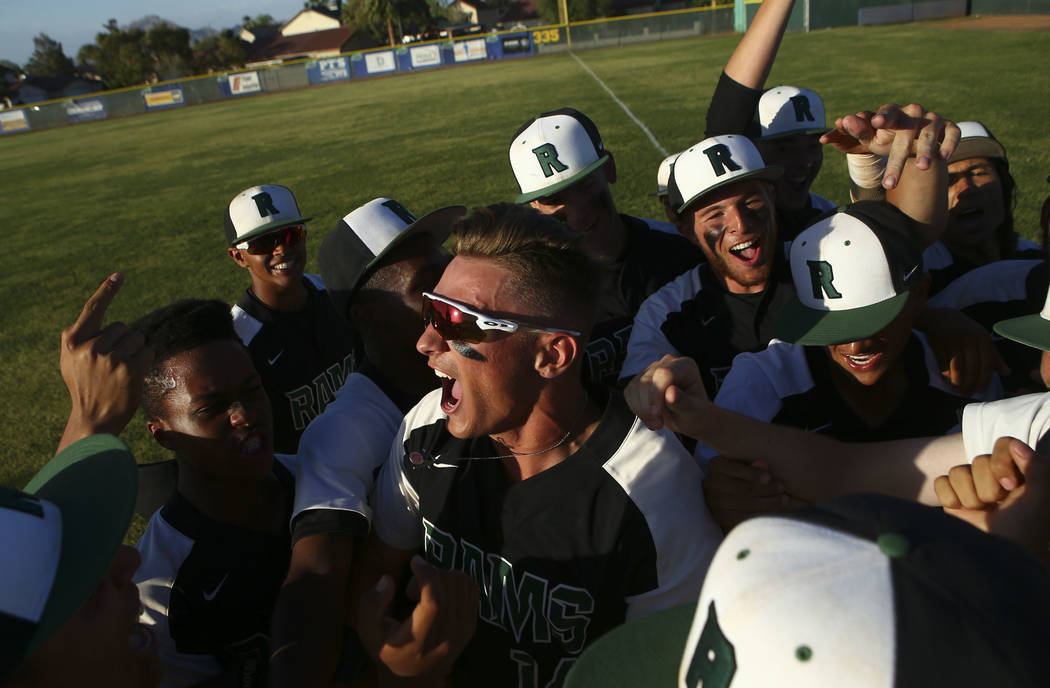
point(237, 256)
point(557, 352)
point(159, 430)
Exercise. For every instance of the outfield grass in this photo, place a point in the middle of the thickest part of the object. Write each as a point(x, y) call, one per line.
point(146, 195)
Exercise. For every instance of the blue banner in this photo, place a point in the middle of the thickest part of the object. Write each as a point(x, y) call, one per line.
point(161, 97)
point(329, 69)
point(85, 110)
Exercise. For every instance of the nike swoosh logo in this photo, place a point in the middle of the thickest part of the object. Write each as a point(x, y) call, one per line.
point(704, 322)
point(818, 429)
point(444, 465)
point(911, 272)
point(280, 353)
point(209, 598)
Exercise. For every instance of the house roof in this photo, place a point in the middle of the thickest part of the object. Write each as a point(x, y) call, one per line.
point(520, 10)
point(331, 14)
point(281, 46)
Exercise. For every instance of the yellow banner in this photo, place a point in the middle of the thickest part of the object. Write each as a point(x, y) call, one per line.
point(160, 98)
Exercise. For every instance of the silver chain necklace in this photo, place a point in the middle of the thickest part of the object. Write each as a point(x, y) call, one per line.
point(563, 440)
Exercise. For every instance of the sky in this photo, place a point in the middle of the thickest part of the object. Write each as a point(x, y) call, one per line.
point(75, 22)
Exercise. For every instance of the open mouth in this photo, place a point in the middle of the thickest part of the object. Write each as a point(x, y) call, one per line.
point(451, 392)
point(747, 251)
point(253, 445)
point(284, 266)
point(862, 361)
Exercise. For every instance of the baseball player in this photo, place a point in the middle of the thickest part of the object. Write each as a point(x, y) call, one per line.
point(68, 607)
point(570, 516)
point(301, 347)
point(563, 169)
point(854, 368)
point(980, 227)
point(377, 263)
point(214, 556)
point(784, 122)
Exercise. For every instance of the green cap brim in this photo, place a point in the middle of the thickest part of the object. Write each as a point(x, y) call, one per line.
point(646, 652)
point(813, 131)
point(269, 227)
point(1030, 330)
point(94, 483)
point(769, 173)
point(555, 188)
point(811, 327)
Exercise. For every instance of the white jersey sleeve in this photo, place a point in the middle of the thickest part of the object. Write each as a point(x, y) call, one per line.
point(648, 343)
point(395, 502)
point(665, 485)
point(343, 447)
point(758, 382)
point(1026, 417)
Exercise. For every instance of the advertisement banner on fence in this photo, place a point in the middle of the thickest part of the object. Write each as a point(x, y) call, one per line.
point(164, 97)
point(12, 121)
point(425, 56)
point(520, 45)
point(377, 63)
point(465, 51)
point(331, 69)
point(85, 110)
point(245, 82)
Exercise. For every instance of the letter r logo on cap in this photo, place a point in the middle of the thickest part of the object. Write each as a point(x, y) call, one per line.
point(721, 159)
point(547, 155)
point(802, 108)
point(265, 204)
point(821, 276)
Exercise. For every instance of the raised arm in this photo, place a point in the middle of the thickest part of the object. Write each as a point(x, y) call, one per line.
point(750, 63)
point(104, 368)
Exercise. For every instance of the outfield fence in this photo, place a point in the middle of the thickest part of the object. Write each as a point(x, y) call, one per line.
point(733, 16)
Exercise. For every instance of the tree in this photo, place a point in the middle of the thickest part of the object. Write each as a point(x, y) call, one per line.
point(259, 20)
point(383, 13)
point(122, 58)
point(579, 10)
point(89, 54)
point(48, 59)
point(218, 53)
point(169, 46)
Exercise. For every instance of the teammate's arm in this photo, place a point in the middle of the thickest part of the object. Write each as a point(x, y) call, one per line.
point(811, 467)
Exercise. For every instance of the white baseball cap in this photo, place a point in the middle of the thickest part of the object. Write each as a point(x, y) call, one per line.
point(714, 163)
point(865, 591)
point(976, 141)
point(853, 271)
point(663, 174)
point(789, 110)
point(259, 210)
point(553, 151)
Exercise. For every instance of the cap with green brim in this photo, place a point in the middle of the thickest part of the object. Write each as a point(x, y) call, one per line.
point(976, 141)
point(866, 591)
point(260, 210)
point(790, 111)
point(366, 235)
point(713, 163)
point(554, 151)
point(853, 271)
point(59, 536)
point(1030, 330)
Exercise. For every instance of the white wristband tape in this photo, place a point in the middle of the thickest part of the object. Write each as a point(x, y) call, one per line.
point(866, 169)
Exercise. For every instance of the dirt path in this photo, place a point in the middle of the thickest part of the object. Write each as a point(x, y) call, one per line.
point(999, 22)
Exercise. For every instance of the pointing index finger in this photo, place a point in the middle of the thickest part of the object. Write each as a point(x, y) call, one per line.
point(89, 322)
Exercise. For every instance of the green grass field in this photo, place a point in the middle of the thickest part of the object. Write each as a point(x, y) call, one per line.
point(146, 195)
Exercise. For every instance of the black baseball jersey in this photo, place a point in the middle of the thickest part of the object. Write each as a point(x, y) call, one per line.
point(650, 260)
point(617, 530)
point(790, 384)
point(208, 591)
point(998, 291)
point(696, 316)
point(945, 267)
point(732, 111)
point(302, 356)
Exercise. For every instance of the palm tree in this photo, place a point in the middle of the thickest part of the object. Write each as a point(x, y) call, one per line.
point(380, 11)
